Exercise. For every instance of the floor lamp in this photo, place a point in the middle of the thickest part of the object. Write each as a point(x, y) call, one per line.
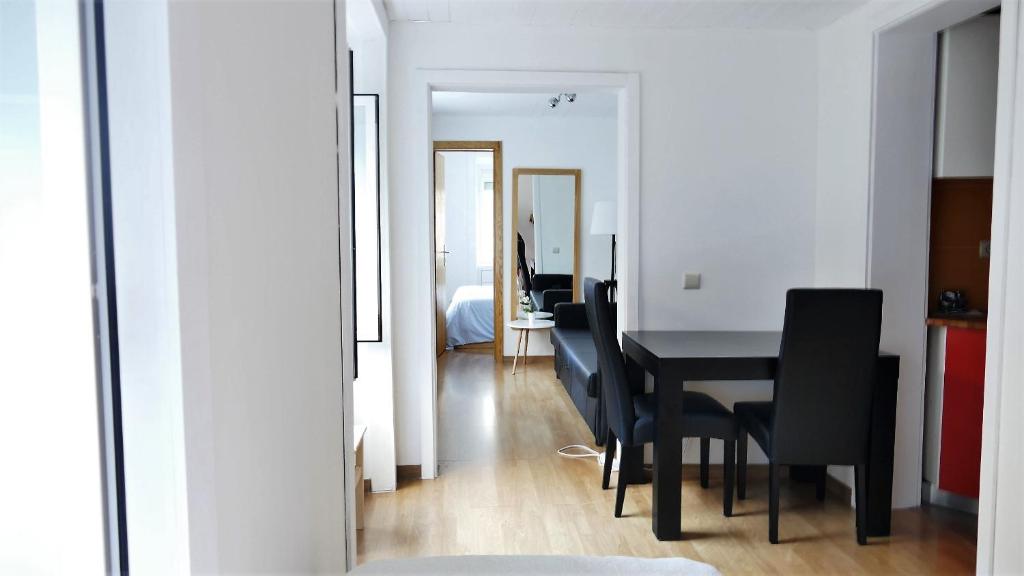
point(602, 222)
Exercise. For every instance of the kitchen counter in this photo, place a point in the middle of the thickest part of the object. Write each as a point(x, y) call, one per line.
point(971, 320)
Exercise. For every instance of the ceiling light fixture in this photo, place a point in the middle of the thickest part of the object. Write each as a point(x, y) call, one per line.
point(553, 102)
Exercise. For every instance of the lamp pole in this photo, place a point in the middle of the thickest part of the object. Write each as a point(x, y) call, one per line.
point(612, 285)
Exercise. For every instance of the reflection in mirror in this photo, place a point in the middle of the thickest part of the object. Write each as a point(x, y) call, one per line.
point(545, 224)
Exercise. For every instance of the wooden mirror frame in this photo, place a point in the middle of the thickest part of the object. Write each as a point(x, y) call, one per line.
point(577, 286)
point(493, 146)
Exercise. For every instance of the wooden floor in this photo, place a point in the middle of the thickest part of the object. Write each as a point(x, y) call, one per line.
point(503, 490)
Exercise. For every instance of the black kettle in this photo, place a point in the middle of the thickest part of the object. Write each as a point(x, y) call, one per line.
point(952, 301)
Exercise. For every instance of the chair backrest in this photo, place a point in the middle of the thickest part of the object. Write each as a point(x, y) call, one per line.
point(618, 398)
point(825, 376)
point(524, 269)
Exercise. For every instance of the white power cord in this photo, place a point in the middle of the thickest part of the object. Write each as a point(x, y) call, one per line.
point(579, 451)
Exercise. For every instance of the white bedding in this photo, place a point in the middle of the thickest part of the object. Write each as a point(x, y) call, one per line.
point(470, 317)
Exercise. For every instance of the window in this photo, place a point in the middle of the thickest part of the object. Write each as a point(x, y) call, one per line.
point(366, 197)
point(54, 509)
point(485, 221)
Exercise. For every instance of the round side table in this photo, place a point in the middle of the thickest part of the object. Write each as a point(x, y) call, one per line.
point(525, 327)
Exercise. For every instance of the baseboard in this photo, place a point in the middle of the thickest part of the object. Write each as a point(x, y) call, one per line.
point(836, 486)
point(759, 472)
point(475, 347)
point(933, 495)
point(409, 472)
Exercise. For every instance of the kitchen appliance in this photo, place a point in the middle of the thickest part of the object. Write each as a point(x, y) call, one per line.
point(952, 301)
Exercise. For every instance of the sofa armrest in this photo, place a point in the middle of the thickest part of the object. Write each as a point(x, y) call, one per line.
point(542, 282)
point(571, 315)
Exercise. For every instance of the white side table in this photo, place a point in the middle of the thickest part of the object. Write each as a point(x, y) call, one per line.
point(537, 316)
point(524, 327)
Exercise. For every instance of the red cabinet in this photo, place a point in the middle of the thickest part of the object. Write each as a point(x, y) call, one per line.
point(963, 395)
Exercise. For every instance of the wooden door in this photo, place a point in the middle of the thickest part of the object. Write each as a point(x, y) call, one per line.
point(440, 253)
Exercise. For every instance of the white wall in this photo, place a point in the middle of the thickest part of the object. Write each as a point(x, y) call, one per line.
point(965, 120)
point(900, 197)
point(845, 61)
point(727, 141)
point(373, 391)
point(587, 143)
point(239, 216)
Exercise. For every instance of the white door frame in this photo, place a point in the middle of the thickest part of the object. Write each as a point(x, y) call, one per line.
point(1000, 521)
point(627, 88)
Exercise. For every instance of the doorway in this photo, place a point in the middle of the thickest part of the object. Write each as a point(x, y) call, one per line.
point(909, 203)
point(467, 257)
point(960, 234)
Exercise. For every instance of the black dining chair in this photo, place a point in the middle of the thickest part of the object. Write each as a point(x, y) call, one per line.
point(631, 413)
point(821, 410)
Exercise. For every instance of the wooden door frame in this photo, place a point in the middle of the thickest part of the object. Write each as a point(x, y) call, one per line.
point(494, 147)
point(577, 284)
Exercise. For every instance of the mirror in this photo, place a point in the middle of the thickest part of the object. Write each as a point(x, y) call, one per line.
point(545, 231)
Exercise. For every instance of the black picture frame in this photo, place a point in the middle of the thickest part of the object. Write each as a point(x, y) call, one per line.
point(379, 336)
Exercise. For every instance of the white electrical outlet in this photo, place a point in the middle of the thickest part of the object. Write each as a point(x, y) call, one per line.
point(691, 281)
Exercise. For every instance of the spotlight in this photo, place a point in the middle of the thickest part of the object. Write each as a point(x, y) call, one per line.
point(571, 97)
point(553, 102)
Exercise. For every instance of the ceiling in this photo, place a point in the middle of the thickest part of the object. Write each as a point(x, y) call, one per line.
point(669, 14)
point(587, 104)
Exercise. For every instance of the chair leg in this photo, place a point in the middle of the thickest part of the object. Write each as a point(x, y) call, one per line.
point(741, 464)
point(820, 479)
point(705, 461)
point(625, 467)
point(861, 490)
point(773, 503)
point(729, 469)
point(609, 459)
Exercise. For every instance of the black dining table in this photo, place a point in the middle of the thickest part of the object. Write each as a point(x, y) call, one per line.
point(675, 357)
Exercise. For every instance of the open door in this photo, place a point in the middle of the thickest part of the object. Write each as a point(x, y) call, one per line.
point(440, 253)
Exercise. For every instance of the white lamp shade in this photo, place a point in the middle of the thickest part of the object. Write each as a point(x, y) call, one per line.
point(603, 219)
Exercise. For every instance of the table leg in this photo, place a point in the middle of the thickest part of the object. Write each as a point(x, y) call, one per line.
point(668, 458)
point(881, 446)
point(526, 347)
point(515, 360)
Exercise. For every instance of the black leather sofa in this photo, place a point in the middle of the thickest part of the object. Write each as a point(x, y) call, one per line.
point(550, 290)
point(576, 365)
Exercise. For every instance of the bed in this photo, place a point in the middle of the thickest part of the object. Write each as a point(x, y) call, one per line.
point(470, 316)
